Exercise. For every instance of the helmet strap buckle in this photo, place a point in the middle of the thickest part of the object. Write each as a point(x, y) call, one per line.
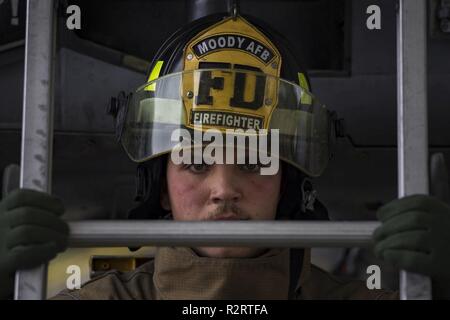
point(117, 108)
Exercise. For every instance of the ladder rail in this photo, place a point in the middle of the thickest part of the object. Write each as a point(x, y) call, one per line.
point(412, 128)
point(37, 125)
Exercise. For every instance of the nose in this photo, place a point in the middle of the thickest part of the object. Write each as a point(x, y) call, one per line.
point(224, 184)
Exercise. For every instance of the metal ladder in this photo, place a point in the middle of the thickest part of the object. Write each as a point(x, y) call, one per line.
point(36, 161)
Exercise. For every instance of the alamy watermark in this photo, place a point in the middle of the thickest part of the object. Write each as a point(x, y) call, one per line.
point(241, 147)
point(373, 22)
point(374, 279)
point(73, 22)
point(73, 281)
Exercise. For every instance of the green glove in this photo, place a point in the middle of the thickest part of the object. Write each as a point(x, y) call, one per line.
point(31, 233)
point(415, 236)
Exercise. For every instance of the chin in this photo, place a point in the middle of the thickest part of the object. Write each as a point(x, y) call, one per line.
point(229, 252)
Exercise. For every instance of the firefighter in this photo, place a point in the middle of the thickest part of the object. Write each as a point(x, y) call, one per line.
point(227, 77)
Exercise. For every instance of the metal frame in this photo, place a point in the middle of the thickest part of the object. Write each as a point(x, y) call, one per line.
point(37, 150)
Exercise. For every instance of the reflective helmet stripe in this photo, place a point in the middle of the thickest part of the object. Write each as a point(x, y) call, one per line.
point(154, 75)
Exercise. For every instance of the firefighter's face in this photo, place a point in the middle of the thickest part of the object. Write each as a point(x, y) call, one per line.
point(221, 192)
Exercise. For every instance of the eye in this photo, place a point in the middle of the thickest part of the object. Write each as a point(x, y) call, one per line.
point(197, 168)
point(251, 168)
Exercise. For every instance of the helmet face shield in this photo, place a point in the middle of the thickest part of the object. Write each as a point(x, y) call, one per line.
point(227, 101)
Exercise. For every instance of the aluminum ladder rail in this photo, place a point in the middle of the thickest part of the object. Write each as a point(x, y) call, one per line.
point(412, 119)
point(37, 124)
point(37, 150)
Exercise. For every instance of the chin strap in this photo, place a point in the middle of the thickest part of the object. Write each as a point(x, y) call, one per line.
point(141, 183)
point(309, 195)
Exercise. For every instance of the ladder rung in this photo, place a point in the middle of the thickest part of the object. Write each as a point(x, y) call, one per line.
point(232, 233)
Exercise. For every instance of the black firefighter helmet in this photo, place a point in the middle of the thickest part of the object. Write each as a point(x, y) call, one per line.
point(226, 72)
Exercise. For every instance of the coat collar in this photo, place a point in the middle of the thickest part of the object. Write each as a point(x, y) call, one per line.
point(181, 274)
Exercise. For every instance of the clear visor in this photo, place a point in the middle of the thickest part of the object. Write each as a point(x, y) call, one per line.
point(236, 102)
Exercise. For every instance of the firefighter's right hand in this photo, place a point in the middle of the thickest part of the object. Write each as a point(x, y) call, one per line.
point(31, 233)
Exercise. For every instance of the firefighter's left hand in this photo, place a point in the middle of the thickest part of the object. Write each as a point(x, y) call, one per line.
point(415, 236)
